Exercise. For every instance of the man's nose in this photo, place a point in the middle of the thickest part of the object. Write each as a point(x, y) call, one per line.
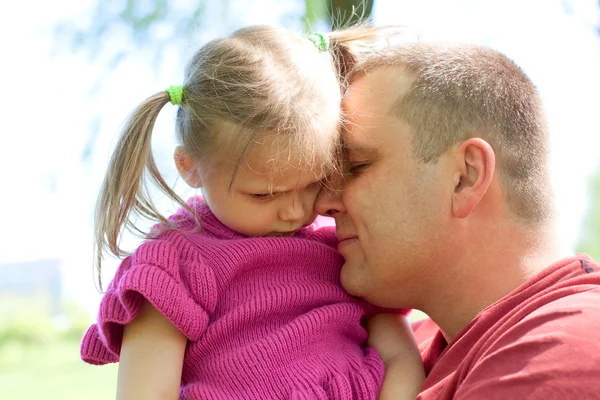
point(329, 200)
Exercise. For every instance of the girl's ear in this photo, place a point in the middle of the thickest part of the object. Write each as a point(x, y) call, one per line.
point(187, 169)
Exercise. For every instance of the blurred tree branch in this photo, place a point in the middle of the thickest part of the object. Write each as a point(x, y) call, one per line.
point(140, 23)
point(153, 24)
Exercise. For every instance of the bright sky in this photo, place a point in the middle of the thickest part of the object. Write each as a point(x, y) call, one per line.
point(47, 108)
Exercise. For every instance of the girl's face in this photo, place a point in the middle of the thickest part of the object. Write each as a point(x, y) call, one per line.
point(266, 198)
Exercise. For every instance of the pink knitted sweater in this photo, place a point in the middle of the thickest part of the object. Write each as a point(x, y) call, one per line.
point(266, 318)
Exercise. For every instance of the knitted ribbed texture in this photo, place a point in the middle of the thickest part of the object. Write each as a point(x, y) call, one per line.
point(266, 317)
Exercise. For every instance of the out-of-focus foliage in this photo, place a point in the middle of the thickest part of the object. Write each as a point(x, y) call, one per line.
point(33, 325)
point(154, 24)
point(141, 24)
point(39, 353)
point(314, 11)
point(590, 236)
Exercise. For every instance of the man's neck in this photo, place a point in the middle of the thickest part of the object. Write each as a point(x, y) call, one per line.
point(490, 265)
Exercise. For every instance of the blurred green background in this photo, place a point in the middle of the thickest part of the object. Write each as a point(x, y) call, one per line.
point(74, 69)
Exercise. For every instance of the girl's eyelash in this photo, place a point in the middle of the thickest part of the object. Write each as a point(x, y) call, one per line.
point(262, 196)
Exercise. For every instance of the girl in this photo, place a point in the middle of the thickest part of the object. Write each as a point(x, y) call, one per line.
point(237, 295)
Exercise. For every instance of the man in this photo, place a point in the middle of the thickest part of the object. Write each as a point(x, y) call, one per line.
point(447, 208)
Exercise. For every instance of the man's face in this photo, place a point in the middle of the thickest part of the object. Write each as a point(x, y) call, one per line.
point(391, 213)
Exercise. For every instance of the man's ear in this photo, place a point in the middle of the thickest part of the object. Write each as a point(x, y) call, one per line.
point(187, 169)
point(475, 163)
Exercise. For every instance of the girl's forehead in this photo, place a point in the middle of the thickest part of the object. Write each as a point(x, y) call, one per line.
point(265, 158)
point(277, 174)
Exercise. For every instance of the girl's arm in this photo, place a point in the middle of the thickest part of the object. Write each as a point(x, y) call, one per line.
point(151, 357)
point(392, 336)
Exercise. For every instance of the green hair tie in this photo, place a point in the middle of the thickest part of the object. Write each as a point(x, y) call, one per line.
point(320, 41)
point(175, 94)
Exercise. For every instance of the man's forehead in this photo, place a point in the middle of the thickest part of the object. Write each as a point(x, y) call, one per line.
point(377, 91)
point(365, 111)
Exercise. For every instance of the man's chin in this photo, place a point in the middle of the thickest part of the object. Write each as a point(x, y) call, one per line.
point(350, 280)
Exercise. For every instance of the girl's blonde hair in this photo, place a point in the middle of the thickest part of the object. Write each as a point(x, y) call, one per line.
point(261, 81)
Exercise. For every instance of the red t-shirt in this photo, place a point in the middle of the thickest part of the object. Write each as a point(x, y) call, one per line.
point(542, 341)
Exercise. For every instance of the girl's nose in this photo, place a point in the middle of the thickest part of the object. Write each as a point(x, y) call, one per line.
point(293, 210)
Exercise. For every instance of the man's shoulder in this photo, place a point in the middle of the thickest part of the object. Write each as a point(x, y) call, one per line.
point(583, 300)
point(563, 314)
point(569, 302)
point(540, 342)
point(568, 291)
point(570, 320)
point(554, 352)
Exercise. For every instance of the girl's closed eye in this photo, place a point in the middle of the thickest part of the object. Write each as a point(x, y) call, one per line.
point(262, 196)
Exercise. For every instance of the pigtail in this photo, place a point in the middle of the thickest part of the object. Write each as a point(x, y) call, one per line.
point(124, 191)
point(350, 44)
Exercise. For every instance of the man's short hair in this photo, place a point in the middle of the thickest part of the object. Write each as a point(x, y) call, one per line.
point(461, 91)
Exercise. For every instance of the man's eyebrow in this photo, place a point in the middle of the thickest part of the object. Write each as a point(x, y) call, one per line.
point(367, 152)
point(347, 147)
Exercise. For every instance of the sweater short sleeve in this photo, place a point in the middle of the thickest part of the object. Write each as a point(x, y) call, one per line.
point(159, 272)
